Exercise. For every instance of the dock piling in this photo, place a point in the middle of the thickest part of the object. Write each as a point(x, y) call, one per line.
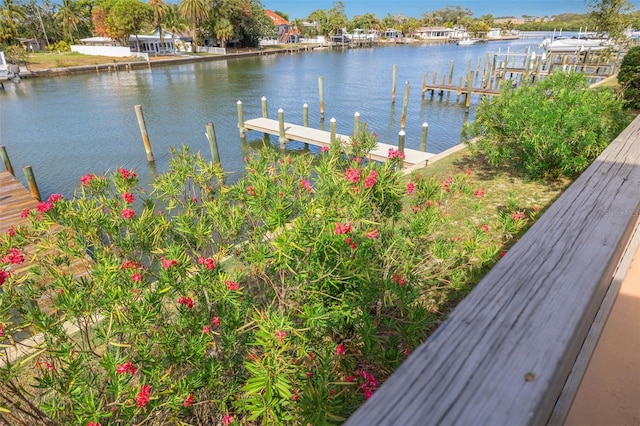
point(213, 144)
point(143, 132)
point(31, 180)
point(305, 115)
point(393, 87)
point(401, 137)
point(332, 126)
point(356, 124)
point(405, 104)
point(321, 94)
point(283, 138)
point(264, 107)
point(423, 139)
point(5, 159)
point(241, 121)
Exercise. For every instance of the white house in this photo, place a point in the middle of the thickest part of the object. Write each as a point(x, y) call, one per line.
point(433, 33)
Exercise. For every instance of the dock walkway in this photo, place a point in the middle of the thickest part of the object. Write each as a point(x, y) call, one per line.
point(321, 138)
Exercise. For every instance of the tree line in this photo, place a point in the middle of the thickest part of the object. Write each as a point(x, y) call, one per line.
point(57, 25)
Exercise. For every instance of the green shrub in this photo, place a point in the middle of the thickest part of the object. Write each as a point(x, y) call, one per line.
point(552, 128)
point(629, 78)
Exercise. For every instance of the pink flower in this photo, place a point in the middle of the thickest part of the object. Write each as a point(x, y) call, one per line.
point(231, 285)
point(251, 191)
point(215, 321)
point(479, 192)
point(410, 188)
point(128, 197)
point(54, 198)
point(14, 257)
point(280, 335)
point(324, 149)
point(371, 180)
point(127, 174)
point(227, 420)
point(342, 228)
point(4, 276)
point(142, 398)
point(168, 263)
point(128, 213)
point(485, 228)
point(25, 213)
point(137, 277)
point(339, 349)
point(1, 330)
point(94, 424)
point(398, 280)
point(394, 153)
point(306, 185)
point(186, 301)
point(188, 401)
point(86, 179)
point(44, 206)
point(11, 232)
point(208, 262)
point(352, 175)
point(206, 329)
point(372, 234)
point(126, 367)
point(130, 264)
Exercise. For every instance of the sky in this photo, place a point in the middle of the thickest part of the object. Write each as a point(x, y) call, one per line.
point(415, 8)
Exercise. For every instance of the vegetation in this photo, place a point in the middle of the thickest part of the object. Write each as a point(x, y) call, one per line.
point(552, 128)
point(629, 78)
point(286, 297)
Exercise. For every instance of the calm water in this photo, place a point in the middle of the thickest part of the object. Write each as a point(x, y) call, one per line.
point(65, 127)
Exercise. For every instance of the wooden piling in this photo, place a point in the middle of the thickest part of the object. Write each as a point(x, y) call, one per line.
point(305, 115)
point(321, 93)
point(213, 144)
point(5, 159)
point(241, 128)
point(283, 139)
point(264, 107)
point(401, 136)
point(424, 85)
point(423, 138)
point(356, 124)
point(393, 83)
point(405, 104)
point(144, 134)
point(451, 64)
point(31, 180)
point(332, 127)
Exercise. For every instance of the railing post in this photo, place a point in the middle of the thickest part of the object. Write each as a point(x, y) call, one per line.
point(356, 124)
point(213, 144)
point(332, 126)
point(143, 132)
point(31, 180)
point(305, 115)
point(264, 107)
point(5, 159)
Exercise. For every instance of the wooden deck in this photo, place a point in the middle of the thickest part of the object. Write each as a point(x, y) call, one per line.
point(509, 351)
point(14, 198)
point(322, 138)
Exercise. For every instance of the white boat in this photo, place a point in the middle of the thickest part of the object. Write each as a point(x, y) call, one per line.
point(8, 72)
point(579, 44)
point(467, 41)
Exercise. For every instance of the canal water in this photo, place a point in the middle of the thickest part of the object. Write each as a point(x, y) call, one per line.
point(67, 126)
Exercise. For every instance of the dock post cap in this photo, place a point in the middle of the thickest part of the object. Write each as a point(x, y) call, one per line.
point(239, 102)
point(333, 120)
point(305, 105)
point(264, 98)
point(425, 124)
point(401, 133)
point(280, 110)
point(357, 114)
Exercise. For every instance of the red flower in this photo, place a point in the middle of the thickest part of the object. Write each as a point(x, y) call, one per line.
point(206, 329)
point(136, 277)
point(4, 275)
point(215, 321)
point(128, 213)
point(54, 198)
point(188, 402)
point(342, 228)
point(208, 262)
point(231, 285)
point(126, 367)
point(44, 206)
point(280, 335)
point(394, 153)
point(398, 280)
point(479, 193)
point(14, 257)
point(324, 149)
point(306, 185)
point(186, 301)
point(128, 197)
point(352, 175)
point(94, 424)
point(227, 420)
point(372, 234)
point(339, 349)
point(168, 263)
point(25, 213)
point(86, 179)
point(251, 191)
point(11, 232)
point(410, 187)
point(1, 330)
point(127, 174)
point(142, 398)
point(371, 180)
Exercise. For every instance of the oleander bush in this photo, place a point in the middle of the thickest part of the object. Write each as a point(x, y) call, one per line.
point(285, 297)
point(548, 129)
point(629, 78)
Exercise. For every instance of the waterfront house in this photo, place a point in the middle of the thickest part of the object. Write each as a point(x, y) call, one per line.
point(433, 33)
point(392, 33)
point(286, 32)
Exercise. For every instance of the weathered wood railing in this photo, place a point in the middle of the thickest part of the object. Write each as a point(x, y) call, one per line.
point(505, 353)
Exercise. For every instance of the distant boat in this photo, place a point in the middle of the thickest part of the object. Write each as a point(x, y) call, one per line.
point(8, 72)
point(467, 41)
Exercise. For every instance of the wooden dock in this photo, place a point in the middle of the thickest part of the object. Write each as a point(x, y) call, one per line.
point(14, 198)
point(321, 138)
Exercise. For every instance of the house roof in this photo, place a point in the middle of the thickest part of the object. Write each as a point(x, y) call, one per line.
point(277, 19)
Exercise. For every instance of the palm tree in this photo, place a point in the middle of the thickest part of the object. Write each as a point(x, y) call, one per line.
point(10, 16)
point(68, 18)
point(224, 31)
point(174, 22)
point(160, 11)
point(195, 11)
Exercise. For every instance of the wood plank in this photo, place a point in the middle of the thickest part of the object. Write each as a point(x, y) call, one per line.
point(504, 354)
point(322, 138)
